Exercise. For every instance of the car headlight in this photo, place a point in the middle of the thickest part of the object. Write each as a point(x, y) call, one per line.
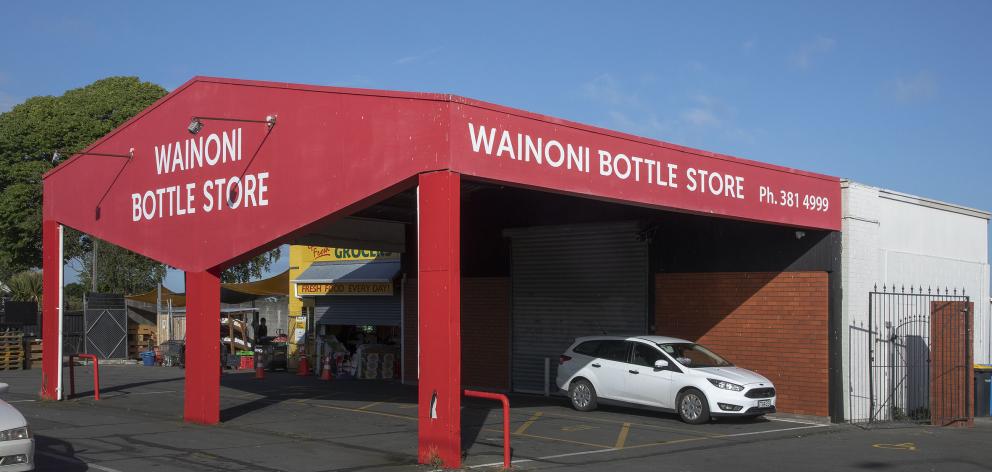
point(14, 434)
point(726, 385)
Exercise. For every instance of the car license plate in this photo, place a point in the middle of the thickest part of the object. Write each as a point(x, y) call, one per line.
point(764, 403)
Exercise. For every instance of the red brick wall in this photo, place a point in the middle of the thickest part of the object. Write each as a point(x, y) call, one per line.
point(774, 323)
point(485, 332)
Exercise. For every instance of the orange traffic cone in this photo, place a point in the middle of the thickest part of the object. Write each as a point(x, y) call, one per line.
point(304, 368)
point(326, 371)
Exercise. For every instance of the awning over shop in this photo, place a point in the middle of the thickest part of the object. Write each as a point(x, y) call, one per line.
point(350, 272)
point(374, 277)
point(275, 286)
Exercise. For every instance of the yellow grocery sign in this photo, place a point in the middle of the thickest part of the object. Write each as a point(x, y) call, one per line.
point(321, 254)
point(356, 288)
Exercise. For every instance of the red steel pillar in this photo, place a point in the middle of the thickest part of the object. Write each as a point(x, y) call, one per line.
point(202, 399)
point(51, 302)
point(438, 295)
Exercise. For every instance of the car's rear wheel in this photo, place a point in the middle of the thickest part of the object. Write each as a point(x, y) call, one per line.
point(583, 395)
point(692, 407)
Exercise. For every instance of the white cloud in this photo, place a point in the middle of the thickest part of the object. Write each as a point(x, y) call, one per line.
point(748, 46)
point(607, 90)
point(416, 57)
point(921, 87)
point(810, 51)
point(697, 117)
point(700, 117)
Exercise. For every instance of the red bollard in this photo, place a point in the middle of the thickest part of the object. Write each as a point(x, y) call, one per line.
point(304, 368)
point(96, 375)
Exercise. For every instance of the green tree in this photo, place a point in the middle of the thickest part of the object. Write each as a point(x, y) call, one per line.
point(72, 295)
point(29, 134)
point(25, 286)
point(251, 269)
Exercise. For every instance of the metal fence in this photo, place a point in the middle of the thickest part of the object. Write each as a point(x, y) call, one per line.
point(105, 321)
point(911, 361)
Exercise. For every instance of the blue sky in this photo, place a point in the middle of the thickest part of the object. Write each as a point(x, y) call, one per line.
point(894, 94)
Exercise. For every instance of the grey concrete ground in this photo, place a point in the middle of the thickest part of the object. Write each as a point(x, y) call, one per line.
point(301, 424)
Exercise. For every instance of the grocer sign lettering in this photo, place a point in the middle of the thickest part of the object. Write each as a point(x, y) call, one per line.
point(356, 288)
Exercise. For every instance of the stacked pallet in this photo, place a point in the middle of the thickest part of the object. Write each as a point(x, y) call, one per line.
point(34, 350)
point(139, 338)
point(11, 350)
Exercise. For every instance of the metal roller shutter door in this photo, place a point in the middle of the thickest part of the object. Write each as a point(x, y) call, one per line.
point(572, 281)
point(358, 311)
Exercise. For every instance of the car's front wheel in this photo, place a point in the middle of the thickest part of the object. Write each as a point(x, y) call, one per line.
point(693, 408)
point(583, 395)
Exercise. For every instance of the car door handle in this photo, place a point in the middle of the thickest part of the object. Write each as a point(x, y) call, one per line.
point(633, 371)
point(596, 365)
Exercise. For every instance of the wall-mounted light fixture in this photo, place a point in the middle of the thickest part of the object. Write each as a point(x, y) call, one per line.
point(56, 156)
point(196, 123)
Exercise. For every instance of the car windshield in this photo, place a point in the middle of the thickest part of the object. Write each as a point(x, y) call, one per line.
point(694, 355)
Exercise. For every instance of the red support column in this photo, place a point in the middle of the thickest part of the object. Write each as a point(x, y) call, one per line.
point(202, 399)
point(439, 294)
point(51, 319)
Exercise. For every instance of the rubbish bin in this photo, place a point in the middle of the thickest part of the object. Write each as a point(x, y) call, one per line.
point(983, 390)
point(148, 358)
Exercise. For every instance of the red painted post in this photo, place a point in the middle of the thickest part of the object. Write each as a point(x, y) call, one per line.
point(96, 375)
point(506, 420)
point(202, 400)
point(51, 301)
point(439, 293)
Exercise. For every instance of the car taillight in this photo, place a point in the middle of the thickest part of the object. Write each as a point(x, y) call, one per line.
point(563, 359)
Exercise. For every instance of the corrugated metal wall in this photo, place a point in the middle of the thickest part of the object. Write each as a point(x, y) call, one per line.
point(572, 281)
point(358, 310)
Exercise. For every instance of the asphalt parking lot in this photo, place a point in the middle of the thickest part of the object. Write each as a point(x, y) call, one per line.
point(291, 423)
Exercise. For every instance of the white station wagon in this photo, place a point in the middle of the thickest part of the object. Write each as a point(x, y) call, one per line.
point(661, 372)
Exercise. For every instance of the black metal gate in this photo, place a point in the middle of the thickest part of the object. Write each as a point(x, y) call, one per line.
point(73, 332)
point(912, 360)
point(105, 317)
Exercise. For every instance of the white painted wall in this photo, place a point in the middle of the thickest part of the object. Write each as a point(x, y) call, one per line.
point(889, 238)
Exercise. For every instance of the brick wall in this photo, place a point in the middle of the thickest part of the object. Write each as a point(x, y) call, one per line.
point(485, 332)
point(774, 323)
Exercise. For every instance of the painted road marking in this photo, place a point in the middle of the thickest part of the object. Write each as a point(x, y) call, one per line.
point(903, 447)
point(528, 435)
point(370, 405)
point(581, 427)
point(75, 461)
point(613, 449)
point(523, 427)
point(622, 437)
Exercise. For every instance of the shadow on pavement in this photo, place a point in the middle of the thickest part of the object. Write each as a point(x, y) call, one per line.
point(45, 448)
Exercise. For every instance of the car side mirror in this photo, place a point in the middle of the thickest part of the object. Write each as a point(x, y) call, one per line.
point(660, 364)
point(3, 388)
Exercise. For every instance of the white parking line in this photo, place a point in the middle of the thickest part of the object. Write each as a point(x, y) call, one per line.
point(601, 451)
point(72, 460)
point(789, 420)
point(20, 401)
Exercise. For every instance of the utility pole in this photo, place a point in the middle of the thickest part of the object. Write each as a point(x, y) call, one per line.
point(96, 247)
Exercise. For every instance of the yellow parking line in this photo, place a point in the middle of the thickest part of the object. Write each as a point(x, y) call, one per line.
point(527, 423)
point(593, 419)
point(526, 435)
point(356, 410)
point(370, 405)
point(622, 438)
